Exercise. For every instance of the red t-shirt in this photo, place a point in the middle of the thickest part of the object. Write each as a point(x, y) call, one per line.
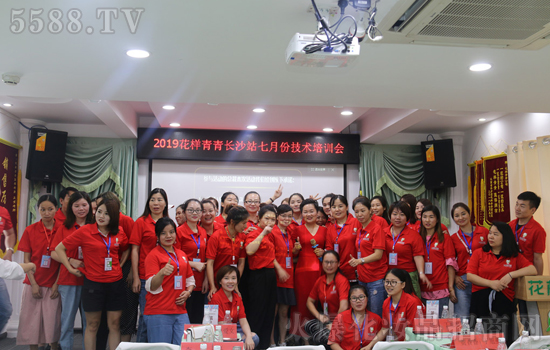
point(265, 255)
point(164, 303)
point(94, 250)
point(5, 220)
point(486, 265)
point(408, 244)
point(225, 251)
point(531, 238)
point(235, 306)
point(143, 235)
point(371, 238)
point(190, 243)
point(59, 217)
point(38, 241)
point(127, 224)
point(65, 277)
point(283, 244)
point(380, 221)
point(220, 220)
point(439, 253)
point(402, 316)
point(346, 333)
point(331, 293)
point(343, 240)
point(478, 240)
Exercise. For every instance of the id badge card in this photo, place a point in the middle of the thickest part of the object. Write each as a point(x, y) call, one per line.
point(178, 282)
point(358, 255)
point(337, 248)
point(325, 309)
point(80, 255)
point(428, 268)
point(393, 258)
point(46, 261)
point(108, 264)
point(288, 260)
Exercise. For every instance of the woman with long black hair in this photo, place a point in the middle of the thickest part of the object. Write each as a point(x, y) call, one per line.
point(492, 271)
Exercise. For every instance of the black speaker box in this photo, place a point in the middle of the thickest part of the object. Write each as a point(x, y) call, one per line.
point(439, 164)
point(46, 155)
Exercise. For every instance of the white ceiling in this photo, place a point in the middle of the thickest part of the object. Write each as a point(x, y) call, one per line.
point(232, 53)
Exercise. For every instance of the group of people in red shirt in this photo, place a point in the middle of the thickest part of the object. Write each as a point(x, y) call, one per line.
point(326, 275)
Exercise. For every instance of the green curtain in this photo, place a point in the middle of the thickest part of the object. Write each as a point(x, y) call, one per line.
point(96, 165)
point(394, 170)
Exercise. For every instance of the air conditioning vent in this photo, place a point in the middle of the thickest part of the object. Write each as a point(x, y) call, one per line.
point(514, 24)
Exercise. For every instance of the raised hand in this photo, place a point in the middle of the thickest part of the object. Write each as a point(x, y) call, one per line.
point(168, 268)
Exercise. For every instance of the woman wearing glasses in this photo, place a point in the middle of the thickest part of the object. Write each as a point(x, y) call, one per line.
point(331, 292)
point(355, 328)
point(143, 239)
point(404, 246)
point(252, 205)
point(191, 238)
point(262, 282)
point(285, 248)
point(399, 309)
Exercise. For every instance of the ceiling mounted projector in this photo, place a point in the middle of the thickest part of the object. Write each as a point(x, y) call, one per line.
point(337, 57)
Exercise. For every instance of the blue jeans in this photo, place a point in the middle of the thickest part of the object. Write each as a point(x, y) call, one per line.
point(70, 303)
point(165, 328)
point(376, 294)
point(5, 305)
point(142, 327)
point(462, 307)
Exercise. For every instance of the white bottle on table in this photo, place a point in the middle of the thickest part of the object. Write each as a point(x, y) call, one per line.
point(218, 336)
point(445, 312)
point(204, 346)
point(465, 327)
point(479, 327)
point(501, 344)
point(419, 313)
point(524, 340)
point(227, 318)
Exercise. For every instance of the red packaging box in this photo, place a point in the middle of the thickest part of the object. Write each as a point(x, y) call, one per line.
point(195, 346)
point(229, 345)
point(229, 331)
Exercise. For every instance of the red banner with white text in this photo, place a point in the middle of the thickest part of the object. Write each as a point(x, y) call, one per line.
point(9, 184)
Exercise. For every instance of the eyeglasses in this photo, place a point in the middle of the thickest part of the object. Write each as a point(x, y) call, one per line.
point(194, 211)
point(252, 202)
point(330, 262)
point(359, 298)
point(391, 283)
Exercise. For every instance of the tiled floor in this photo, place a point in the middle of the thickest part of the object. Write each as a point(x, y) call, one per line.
point(9, 343)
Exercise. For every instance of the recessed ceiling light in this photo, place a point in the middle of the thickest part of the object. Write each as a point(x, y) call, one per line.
point(328, 129)
point(168, 107)
point(137, 53)
point(212, 104)
point(258, 110)
point(175, 125)
point(346, 113)
point(480, 67)
point(482, 119)
point(252, 127)
point(7, 105)
point(338, 106)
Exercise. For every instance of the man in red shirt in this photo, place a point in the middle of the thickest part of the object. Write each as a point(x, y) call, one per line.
point(64, 197)
point(530, 237)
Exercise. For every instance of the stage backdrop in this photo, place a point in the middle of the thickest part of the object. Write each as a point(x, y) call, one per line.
point(9, 183)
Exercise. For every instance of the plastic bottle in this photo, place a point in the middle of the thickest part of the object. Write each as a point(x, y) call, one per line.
point(208, 337)
point(217, 347)
point(479, 327)
point(218, 335)
point(419, 313)
point(227, 319)
point(445, 312)
point(501, 344)
point(206, 318)
point(466, 327)
point(204, 346)
point(524, 340)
